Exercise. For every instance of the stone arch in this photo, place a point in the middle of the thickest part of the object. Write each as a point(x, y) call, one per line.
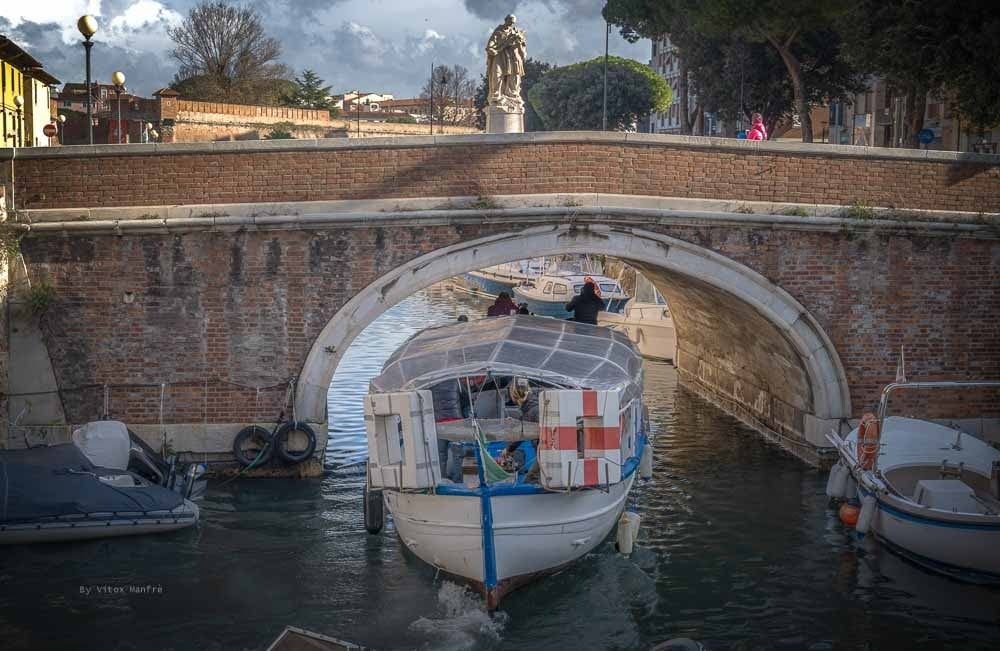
point(768, 334)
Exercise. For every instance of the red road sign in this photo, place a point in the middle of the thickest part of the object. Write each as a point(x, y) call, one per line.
point(50, 130)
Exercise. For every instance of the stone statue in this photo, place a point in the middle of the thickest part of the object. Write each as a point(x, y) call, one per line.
point(505, 53)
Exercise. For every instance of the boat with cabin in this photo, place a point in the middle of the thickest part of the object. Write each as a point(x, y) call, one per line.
point(548, 294)
point(505, 448)
point(504, 277)
point(929, 491)
point(646, 321)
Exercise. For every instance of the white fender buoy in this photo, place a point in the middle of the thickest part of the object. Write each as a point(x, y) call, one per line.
point(628, 531)
point(836, 486)
point(835, 483)
point(646, 462)
point(851, 489)
point(868, 506)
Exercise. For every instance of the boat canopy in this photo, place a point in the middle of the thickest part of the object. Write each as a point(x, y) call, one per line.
point(565, 353)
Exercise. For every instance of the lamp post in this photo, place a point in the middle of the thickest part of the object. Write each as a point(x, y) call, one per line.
point(604, 109)
point(118, 80)
point(19, 132)
point(88, 27)
point(61, 125)
point(443, 80)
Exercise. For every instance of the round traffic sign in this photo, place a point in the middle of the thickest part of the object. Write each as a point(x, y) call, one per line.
point(926, 136)
point(50, 130)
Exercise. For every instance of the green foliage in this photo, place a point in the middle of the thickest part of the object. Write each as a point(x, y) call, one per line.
point(310, 93)
point(571, 97)
point(281, 131)
point(918, 45)
point(9, 244)
point(859, 210)
point(40, 297)
point(406, 118)
point(484, 203)
point(795, 211)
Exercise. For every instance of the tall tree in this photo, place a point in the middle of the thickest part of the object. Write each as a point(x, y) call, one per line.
point(571, 97)
point(920, 46)
point(799, 32)
point(226, 50)
point(309, 92)
point(453, 93)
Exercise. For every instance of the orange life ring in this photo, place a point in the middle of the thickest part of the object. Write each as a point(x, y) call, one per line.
point(868, 441)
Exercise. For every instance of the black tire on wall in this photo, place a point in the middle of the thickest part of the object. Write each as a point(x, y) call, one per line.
point(292, 432)
point(251, 445)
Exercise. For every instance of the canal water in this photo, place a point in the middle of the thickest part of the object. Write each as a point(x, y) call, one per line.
point(738, 549)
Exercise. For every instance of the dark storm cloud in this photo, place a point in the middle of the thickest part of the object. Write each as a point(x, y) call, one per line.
point(497, 9)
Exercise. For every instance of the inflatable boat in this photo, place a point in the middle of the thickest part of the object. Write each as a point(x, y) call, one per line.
point(103, 484)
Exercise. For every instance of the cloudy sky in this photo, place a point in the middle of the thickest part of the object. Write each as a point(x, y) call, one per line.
point(377, 45)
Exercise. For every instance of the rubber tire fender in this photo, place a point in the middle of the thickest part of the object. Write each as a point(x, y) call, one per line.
point(281, 442)
point(374, 518)
point(250, 433)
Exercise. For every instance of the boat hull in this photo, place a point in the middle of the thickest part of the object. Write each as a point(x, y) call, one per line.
point(530, 535)
point(648, 326)
point(954, 546)
point(490, 283)
point(72, 528)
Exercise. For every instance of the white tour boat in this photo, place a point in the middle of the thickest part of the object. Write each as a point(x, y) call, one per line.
point(505, 448)
point(548, 294)
point(929, 491)
point(646, 321)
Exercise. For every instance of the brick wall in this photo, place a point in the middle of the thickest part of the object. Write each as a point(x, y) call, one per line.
point(215, 314)
point(657, 166)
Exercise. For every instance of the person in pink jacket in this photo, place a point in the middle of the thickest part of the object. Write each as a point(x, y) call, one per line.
point(757, 131)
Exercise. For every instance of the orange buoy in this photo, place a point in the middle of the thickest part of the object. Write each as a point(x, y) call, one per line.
point(868, 441)
point(849, 513)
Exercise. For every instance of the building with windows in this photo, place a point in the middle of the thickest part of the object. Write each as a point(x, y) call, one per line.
point(25, 101)
point(666, 63)
point(875, 118)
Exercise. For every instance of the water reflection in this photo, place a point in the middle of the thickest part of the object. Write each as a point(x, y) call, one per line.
point(738, 549)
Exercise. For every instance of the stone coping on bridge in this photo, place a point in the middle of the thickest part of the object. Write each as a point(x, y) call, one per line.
point(367, 210)
point(560, 207)
point(550, 137)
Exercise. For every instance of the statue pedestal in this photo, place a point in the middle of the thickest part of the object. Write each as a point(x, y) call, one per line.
point(501, 120)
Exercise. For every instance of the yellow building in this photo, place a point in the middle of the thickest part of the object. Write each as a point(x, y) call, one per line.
point(24, 100)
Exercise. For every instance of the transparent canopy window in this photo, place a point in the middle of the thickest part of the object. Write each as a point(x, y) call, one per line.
point(567, 353)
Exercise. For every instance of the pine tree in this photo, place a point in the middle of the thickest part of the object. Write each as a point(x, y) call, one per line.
point(310, 92)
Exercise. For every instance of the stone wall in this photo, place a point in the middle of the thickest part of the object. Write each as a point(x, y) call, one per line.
point(632, 164)
point(211, 121)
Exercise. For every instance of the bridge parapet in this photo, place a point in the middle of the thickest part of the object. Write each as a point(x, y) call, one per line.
point(483, 165)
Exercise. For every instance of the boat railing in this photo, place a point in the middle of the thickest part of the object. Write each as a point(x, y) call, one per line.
point(883, 406)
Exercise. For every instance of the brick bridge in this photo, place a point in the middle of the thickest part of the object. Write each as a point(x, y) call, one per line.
point(193, 288)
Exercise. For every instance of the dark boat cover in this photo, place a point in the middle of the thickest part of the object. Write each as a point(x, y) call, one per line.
point(59, 480)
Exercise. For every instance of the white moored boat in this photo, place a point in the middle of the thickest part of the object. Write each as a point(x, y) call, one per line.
point(646, 321)
point(505, 448)
point(930, 491)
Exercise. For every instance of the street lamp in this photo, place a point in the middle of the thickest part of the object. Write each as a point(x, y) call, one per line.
point(19, 133)
point(61, 119)
point(88, 27)
point(118, 81)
